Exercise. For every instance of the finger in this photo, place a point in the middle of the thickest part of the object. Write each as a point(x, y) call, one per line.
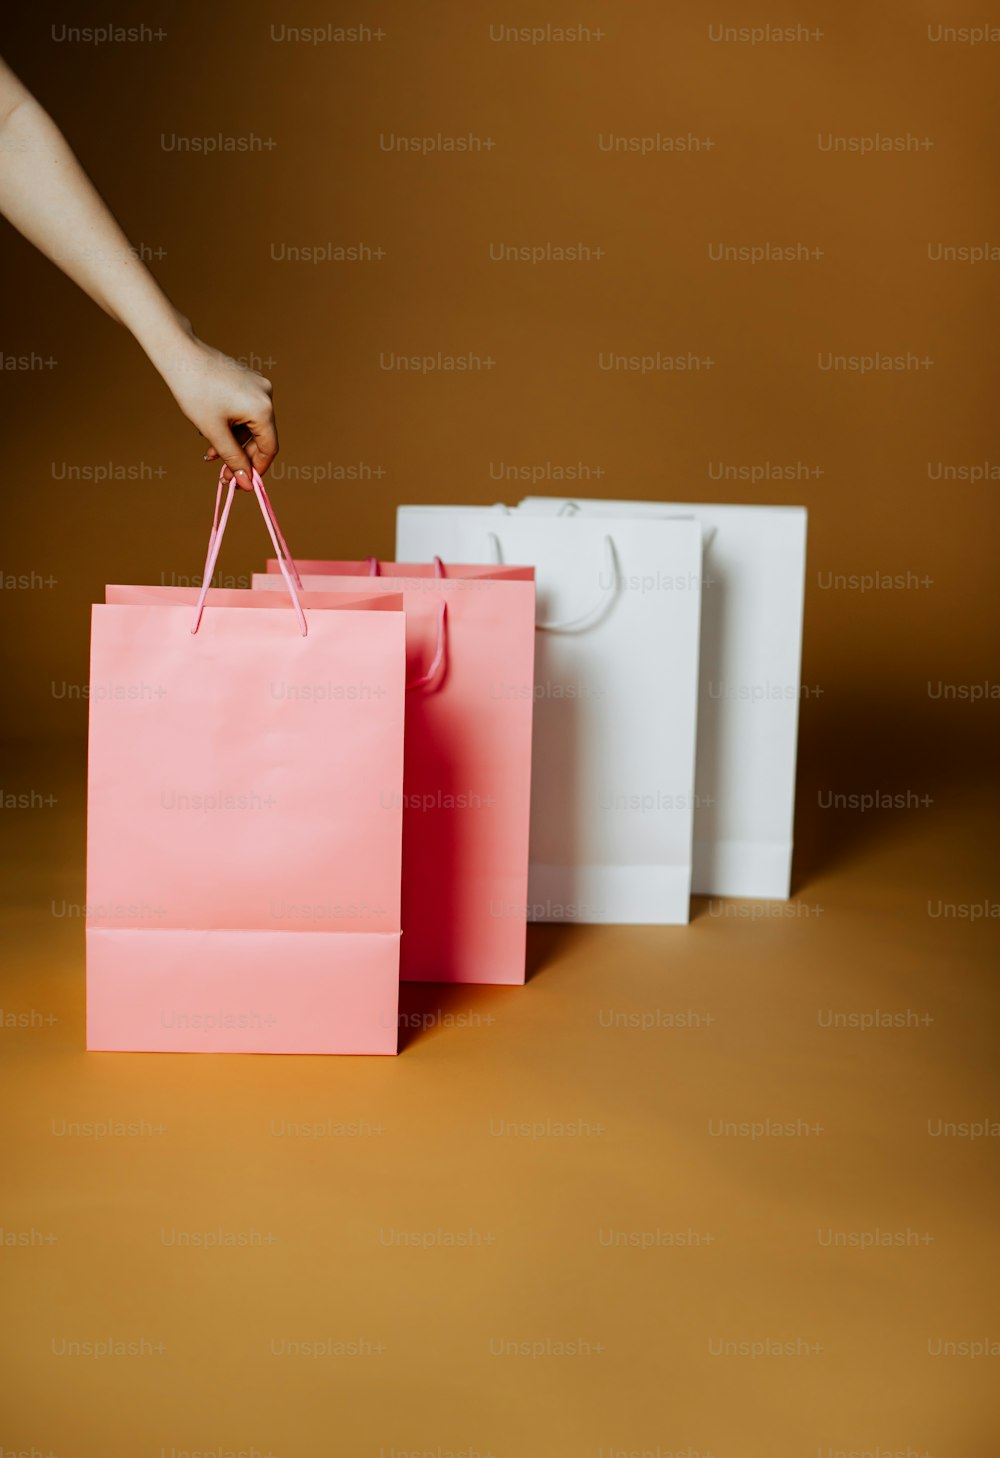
point(258, 460)
point(235, 460)
point(211, 454)
point(263, 447)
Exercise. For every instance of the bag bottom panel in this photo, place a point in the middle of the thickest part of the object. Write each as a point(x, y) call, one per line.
point(162, 990)
point(640, 895)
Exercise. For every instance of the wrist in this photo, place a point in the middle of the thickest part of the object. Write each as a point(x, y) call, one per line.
point(170, 344)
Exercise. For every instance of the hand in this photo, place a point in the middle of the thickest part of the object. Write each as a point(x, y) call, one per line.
point(229, 404)
point(49, 198)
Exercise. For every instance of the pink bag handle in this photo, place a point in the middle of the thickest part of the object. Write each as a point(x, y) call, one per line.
point(374, 570)
point(441, 647)
point(285, 562)
point(440, 651)
point(274, 522)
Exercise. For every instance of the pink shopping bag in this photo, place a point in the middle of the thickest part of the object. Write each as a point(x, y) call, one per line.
point(243, 869)
point(470, 644)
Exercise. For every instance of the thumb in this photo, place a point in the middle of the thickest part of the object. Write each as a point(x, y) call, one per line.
point(235, 460)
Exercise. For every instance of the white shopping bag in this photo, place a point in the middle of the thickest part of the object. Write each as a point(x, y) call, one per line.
point(615, 691)
point(748, 710)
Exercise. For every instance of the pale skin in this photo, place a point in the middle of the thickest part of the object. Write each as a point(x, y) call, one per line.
point(46, 195)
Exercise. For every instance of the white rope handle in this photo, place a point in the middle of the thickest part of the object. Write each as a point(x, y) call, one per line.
point(593, 615)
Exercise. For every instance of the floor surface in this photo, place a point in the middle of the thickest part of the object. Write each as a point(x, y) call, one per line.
point(718, 1190)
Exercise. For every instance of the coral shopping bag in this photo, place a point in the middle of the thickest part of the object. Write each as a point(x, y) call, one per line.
point(616, 683)
point(470, 643)
point(244, 835)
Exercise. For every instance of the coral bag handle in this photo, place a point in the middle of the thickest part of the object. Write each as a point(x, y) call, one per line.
point(441, 650)
point(289, 571)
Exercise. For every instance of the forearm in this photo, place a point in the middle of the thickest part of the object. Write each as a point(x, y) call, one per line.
point(47, 196)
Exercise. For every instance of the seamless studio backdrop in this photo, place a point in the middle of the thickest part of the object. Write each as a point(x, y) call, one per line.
point(486, 251)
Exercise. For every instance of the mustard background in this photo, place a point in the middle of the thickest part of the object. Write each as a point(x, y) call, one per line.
point(417, 1228)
